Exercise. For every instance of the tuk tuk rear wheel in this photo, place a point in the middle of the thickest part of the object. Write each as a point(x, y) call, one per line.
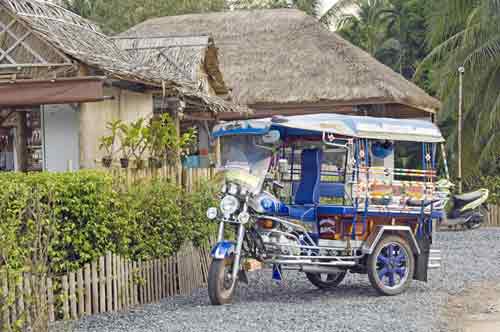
point(221, 285)
point(326, 281)
point(391, 266)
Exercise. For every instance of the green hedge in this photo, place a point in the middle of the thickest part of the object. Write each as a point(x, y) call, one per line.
point(90, 214)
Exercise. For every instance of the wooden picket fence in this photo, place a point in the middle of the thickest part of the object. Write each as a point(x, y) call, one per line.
point(493, 219)
point(110, 284)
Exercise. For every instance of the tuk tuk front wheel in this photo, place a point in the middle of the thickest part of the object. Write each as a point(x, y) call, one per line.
point(391, 265)
point(221, 285)
point(326, 281)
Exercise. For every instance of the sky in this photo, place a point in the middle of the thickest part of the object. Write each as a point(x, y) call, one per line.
point(327, 3)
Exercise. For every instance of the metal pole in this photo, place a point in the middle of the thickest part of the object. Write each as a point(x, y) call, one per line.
point(461, 72)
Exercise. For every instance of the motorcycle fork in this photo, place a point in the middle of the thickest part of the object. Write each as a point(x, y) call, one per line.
point(237, 253)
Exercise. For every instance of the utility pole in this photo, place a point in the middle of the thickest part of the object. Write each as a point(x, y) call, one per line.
point(461, 71)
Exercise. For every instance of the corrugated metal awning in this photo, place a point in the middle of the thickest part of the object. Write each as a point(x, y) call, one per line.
point(19, 93)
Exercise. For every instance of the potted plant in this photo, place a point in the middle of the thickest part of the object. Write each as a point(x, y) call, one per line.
point(134, 142)
point(126, 145)
point(107, 143)
point(157, 139)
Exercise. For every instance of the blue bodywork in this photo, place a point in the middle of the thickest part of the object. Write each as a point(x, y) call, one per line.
point(223, 249)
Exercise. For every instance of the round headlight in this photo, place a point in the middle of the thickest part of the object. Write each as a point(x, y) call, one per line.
point(212, 213)
point(229, 205)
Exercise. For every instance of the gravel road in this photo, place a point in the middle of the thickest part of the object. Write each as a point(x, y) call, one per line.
point(295, 305)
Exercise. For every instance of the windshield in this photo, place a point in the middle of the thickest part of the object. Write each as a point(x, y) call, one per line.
point(245, 161)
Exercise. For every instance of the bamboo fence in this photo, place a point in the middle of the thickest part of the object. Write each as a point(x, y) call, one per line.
point(493, 219)
point(109, 284)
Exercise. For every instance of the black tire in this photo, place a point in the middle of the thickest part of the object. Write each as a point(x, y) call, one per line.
point(331, 281)
point(220, 289)
point(389, 263)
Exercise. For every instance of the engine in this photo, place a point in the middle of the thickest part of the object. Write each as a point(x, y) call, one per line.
point(277, 239)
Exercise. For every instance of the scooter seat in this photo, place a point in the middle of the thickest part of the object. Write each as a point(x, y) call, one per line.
point(469, 197)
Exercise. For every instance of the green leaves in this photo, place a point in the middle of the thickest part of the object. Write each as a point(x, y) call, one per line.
point(87, 213)
point(465, 33)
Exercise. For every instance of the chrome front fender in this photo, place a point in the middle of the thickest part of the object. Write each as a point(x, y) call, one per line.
point(223, 249)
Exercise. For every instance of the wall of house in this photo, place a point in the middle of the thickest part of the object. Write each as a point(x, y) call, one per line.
point(125, 105)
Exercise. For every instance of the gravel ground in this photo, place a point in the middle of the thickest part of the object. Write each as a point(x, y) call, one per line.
point(295, 305)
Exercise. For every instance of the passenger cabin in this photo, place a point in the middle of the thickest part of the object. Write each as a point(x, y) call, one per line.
point(345, 175)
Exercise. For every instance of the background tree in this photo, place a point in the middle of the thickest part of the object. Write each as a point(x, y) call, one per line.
point(116, 16)
point(393, 31)
point(309, 6)
point(466, 33)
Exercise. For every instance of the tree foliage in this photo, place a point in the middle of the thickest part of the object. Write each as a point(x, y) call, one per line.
point(116, 16)
point(393, 31)
point(309, 6)
point(465, 33)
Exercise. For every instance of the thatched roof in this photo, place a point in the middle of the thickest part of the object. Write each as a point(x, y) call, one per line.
point(285, 56)
point(186, 55)
point(82, 40)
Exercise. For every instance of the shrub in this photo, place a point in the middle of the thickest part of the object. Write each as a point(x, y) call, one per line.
point(91, 214)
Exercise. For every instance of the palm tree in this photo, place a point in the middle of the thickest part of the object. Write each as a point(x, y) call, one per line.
point(466, 33)
point(361, 21)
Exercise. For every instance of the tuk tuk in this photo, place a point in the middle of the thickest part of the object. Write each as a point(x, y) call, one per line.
point(324, 195)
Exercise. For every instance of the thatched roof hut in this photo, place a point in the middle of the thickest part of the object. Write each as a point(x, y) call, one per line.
point(189, 56)
point(285, 61)
point(39, 39)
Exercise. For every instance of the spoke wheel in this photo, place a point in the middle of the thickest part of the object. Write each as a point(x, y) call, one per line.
point(221, 285)
point(391, 266)
point(326, 281)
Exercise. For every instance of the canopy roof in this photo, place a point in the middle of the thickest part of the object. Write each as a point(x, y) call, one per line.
point(284, 56)
point(344, 125)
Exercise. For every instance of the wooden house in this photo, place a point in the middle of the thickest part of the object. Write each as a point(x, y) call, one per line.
point(62, 80)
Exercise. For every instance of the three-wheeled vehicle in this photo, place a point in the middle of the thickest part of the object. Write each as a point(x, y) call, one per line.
point(323, 194)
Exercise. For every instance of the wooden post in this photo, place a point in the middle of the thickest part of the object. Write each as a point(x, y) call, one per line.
point(64, 297)
point(20, 297)
point(109, 282)
point(102, 285)
point(72, 295)
point(80, 292)
point(88, 289)
point(5, 317)
point(125, 274)
point(50, 300)
point(119, 282)
point(115, 284)
point(95, 289)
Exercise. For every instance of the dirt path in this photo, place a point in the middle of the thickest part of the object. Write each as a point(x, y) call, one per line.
point(476, 310)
